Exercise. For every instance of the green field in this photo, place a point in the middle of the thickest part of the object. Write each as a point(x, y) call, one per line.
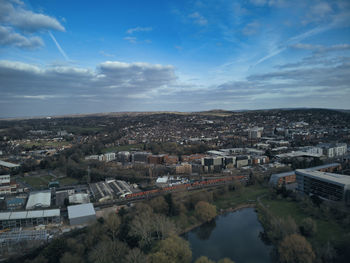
point(67, 181)
point(123, 148)
point(44, 143)
point(38, 182)
point(326, 229)
point(42, 182)
point(245, 195)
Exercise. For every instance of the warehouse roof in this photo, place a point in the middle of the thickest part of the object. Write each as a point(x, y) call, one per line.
point(29, 214)
point(8, 165)
point(75, 211)
point(39, 199)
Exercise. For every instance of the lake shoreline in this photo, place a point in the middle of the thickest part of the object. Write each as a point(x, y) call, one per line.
point(221, 212)
point(234, 233)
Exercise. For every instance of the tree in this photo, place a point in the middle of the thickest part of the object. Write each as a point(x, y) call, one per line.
point(308, 227)
point(225, 260)
point(204, 259)
point(135, 255)
point(205, 211)
point(162, 226)
point(141, 227)
point(328, 253)
point(174, 249)
point(173, 209)
point(159, 205)
point(280, 228)
point(295, 249)
point(71, 258)
point(112, 224)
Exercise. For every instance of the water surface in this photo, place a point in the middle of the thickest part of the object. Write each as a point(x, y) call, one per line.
point(234, 235)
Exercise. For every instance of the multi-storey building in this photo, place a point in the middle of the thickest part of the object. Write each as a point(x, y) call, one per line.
point(330, 186)
point(6, 186)
point(332, 150)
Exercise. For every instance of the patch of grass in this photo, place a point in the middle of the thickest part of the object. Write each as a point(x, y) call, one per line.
point(38, 182)
point(123, 148)
point(245, 195)
point(326, 229)
point(67, 181)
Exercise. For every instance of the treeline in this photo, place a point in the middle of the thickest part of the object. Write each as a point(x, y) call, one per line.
point(297, 242)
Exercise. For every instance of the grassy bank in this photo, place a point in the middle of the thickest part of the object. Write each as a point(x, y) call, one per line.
point(327, 229)
point(246, 195)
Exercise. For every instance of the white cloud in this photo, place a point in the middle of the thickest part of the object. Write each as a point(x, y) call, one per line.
point(15, 15)
point(251, 28)
point(198, 19)
point(138, 29)
point(132, 40)
point(18, 25)
point(10, 38)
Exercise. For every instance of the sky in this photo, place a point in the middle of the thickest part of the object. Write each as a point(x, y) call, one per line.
point(72, 57)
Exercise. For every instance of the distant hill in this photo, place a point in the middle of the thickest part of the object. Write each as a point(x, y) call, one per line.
point(214, 112)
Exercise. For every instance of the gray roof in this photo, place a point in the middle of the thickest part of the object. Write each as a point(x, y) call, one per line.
point(338, 179)
point(29, 214)
point(8, 165)
point(329, 165)
point(75, 211)
point(39, 199)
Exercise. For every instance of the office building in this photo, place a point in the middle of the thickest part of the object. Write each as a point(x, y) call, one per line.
point(330, 186)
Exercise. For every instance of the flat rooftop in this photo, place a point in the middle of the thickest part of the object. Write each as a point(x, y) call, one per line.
point(75, 211)
point(339, 179)
point(8, 165)
point(29, 214)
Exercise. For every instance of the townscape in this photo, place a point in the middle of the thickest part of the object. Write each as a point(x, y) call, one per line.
point(59, 174)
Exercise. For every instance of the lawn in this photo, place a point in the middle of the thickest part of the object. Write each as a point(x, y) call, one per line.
point(44, 143)
point(245, 195)
point(326, 229)
point(38, 182)
point(67, 181)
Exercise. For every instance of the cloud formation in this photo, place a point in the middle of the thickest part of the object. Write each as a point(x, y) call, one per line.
point(18, 24)
point(10, 38)
point(131, 31)
point(109, 79)
point(198, 19)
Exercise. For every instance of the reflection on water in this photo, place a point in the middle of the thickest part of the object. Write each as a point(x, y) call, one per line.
point(234, 235)
point(204, 231)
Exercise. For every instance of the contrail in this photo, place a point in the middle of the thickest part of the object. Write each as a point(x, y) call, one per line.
point(59, 47)
point(294, 40)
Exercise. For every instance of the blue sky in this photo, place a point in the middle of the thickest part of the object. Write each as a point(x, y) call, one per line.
point(62, 57)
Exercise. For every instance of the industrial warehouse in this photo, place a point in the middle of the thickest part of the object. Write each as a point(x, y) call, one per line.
point(109, 189)
point(29, 218)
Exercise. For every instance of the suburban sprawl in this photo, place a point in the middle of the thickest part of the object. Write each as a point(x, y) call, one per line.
point(62, 176)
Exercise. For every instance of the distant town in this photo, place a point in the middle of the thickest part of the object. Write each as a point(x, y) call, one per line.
point(59, 174)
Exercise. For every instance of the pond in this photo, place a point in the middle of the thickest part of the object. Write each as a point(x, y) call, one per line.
point(234, 235)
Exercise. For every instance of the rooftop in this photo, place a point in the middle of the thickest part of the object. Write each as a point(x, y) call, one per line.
point(39, 199)
point(29, 214)
point(328, 177)
point(8, 165)
point(75, 211)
